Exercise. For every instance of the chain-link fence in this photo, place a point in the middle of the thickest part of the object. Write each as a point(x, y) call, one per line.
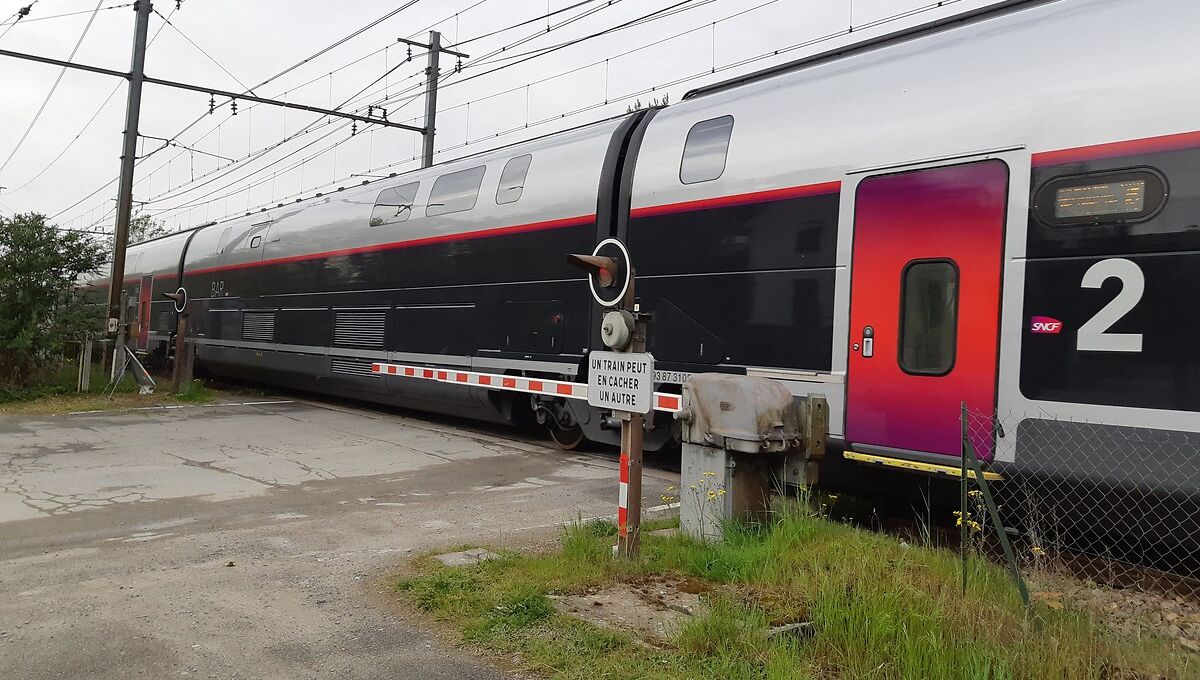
point(1112, 505)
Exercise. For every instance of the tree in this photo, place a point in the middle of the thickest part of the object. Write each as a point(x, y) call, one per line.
point(40, 308)
point(143, 228)
point(653, 103)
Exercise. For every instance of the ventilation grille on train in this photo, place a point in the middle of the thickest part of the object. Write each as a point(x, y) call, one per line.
point(258, 326)
point(351, 367)
point(359, 329)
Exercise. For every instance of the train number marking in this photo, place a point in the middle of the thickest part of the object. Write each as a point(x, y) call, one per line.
point(1094, 336)
point(218, 289)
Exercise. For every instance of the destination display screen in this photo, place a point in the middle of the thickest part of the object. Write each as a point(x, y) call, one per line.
point(1109, 198)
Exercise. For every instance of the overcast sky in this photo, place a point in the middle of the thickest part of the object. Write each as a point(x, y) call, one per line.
point(256, 39)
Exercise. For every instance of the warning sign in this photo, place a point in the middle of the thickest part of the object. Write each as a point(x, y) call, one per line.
point(621, 381)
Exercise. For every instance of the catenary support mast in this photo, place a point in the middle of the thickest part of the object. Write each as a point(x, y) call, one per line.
point(133, 106)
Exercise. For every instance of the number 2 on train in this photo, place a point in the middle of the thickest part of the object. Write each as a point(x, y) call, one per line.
point(1094, 336)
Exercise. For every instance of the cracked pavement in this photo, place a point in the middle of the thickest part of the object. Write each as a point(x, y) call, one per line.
point(256, 540)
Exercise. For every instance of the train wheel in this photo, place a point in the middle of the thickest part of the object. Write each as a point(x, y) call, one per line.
point(567, 439)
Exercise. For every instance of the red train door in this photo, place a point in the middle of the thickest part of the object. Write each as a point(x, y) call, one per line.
point(924, 306)
point(144, 297)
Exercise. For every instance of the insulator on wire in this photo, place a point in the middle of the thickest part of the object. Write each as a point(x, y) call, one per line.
point(409, 58)
point(458, 66)
point(384, 112)
point(233, 106)
point(212, 104)
point(353, 128)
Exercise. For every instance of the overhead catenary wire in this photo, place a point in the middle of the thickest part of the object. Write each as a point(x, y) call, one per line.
point(17, 17)
point(62, 72)
point(30, 20)
point(379, 102)
point(91, 120)
point(523, 23)
point(208, 56)
point(316, 124)
point(707, 71)
point(658, 87)
point(636, 21)
point(657, 14)
point(289, 69)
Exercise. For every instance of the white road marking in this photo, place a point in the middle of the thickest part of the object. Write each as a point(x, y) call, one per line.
point(178, 406)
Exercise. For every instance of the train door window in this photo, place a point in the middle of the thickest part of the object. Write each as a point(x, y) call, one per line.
point(928, 317)
point(705, 150)
point(512, 179)
point(455, 192)
point(224, 240)
point(394, 204)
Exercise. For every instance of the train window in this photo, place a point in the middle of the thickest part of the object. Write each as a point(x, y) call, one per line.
point(705, 150)
point(928, 317)
point(455, 192)
point(1108, 197)
point(512, 179)
point(394, 204)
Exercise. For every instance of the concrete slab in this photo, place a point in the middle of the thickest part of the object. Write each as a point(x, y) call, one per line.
point(116, 529)
point(466, 558)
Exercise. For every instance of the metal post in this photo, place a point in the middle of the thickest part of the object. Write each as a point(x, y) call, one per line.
point(85, 364)
point(431, 84)
point(181, 357)
point(125, 187)
point(119, 341)
point(629, 539)
point(962, 493)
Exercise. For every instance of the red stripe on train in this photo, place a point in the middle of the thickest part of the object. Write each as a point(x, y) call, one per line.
point(430, 240)
point(739, 199)
point(1183, 140)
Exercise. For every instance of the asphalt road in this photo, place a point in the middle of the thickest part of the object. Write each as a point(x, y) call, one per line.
point(255, 539)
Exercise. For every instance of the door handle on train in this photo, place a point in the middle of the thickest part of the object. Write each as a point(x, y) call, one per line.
point(868, 343)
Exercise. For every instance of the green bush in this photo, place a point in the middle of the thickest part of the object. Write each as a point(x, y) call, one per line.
point(40, 310)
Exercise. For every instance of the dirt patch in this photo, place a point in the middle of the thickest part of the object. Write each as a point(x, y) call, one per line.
point(652, 608)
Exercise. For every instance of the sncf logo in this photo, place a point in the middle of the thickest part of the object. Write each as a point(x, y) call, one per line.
point(1045, 324)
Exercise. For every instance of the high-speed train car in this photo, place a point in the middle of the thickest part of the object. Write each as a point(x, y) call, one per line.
point(1001, 209)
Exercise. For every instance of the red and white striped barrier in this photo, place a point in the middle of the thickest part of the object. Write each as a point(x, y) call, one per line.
point(623, 496)
point(663, 401)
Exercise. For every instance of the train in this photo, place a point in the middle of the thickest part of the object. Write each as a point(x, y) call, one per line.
point(999, 208)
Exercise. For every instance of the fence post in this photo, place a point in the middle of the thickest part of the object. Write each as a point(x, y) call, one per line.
point(993, 514)
point(962, 495)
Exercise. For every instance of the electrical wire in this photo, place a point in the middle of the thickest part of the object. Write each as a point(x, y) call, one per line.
point(219, 65)
point(522, 23)
point(10, 22)
point(53, 87)
point(91, 120)
point(639, 20)
point(418, 32)
point(683, 5)
point(269, 80)
point(17, 16)
point(255, 155)
point(648, 90)
point(467, 142)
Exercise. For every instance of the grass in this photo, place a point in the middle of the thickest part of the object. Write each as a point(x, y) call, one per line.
point(878, 609)
point(58, 395)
